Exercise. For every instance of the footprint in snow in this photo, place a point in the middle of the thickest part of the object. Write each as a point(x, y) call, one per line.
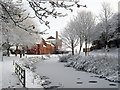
point(78, 78)
point(112, 84)
point(79, 82)
point(18, 83)
point(92, 81)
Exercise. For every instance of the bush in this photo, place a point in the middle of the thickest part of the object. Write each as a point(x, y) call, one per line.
point(64, 58)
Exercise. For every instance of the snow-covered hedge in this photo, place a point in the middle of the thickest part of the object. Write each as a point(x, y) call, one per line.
point(103, 66)
point(64, 57)
point(31, 60)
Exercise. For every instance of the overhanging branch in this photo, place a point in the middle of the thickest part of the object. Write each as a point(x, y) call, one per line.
point(17, 22)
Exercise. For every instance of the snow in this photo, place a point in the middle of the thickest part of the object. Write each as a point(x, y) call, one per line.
point(103, 65)
point(50, 44)
point(67, 77)
point(33, 80)
point(14, 47)
point(44, 46)
point(0, 75)
point(46, 69)
point(8, 78)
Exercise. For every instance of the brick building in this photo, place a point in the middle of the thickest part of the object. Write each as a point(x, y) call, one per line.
point(49, 46)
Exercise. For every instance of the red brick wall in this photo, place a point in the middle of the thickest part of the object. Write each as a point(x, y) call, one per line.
point(39, 49)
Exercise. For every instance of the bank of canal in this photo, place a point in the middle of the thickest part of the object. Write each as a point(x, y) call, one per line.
point(69, 77)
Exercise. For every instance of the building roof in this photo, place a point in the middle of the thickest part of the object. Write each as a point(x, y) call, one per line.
point(51, 37)
point(44, 46)
point(49, 43)
point(44, 42)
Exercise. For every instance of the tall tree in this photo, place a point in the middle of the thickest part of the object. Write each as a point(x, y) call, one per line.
point(69, 37)
point(100, 32)
point(84, 24)
point(12, 14)
point(105, 15)
point(14, 29)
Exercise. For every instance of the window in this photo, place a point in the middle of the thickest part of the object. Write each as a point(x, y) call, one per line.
point(33, 51)
point(40, 51)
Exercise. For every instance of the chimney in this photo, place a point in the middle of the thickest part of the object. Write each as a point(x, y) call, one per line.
point(56, 35)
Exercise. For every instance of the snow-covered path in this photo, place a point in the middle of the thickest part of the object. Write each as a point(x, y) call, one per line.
point(9, 78)
point(0, 71)
point(0, 75)
point(68, 76)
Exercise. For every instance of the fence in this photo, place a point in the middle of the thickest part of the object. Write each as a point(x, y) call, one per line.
point(20, 73)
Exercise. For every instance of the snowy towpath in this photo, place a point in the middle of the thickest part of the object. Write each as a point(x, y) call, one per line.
point(69, 77)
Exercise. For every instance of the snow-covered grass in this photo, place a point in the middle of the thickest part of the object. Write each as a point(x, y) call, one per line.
point(8, 78)
point(104, 65)
point(33, 80)
point(1, 71)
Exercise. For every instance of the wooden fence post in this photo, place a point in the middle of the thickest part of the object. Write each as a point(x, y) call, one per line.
point(20, 73)
point(24, 79)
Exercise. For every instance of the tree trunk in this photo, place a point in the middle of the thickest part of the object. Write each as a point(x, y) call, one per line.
point(80, 44)
point(16, 50)
point(117, 43)
point(20, 54)
point(86, 47)
point(38, 50)
point(8, 51)
point(23, 51)
point(8, 48)
point(80, 48)
point(89, 46)
point(72, 48)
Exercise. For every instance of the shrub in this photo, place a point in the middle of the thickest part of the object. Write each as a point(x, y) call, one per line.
point(64, 58)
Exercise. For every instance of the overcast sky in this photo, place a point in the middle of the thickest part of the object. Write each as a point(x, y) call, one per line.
point(59, 23)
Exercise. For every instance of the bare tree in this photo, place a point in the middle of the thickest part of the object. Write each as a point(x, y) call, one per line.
point(105, 15)
point(15, 36)
point(84, 24)
point(43, 12)
point(69, 37)
point(12, 14)
point(100, 29)
point(9, 10)
point(14, 29)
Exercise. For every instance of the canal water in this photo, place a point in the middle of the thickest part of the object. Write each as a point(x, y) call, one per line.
point(68, 77)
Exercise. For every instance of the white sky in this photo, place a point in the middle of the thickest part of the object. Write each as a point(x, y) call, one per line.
point(59, 23)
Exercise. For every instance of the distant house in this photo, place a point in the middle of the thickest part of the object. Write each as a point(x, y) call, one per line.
point(97, 44)
point(49, 46)
point(42, 48)
point(55, 41)
point(113, 41)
